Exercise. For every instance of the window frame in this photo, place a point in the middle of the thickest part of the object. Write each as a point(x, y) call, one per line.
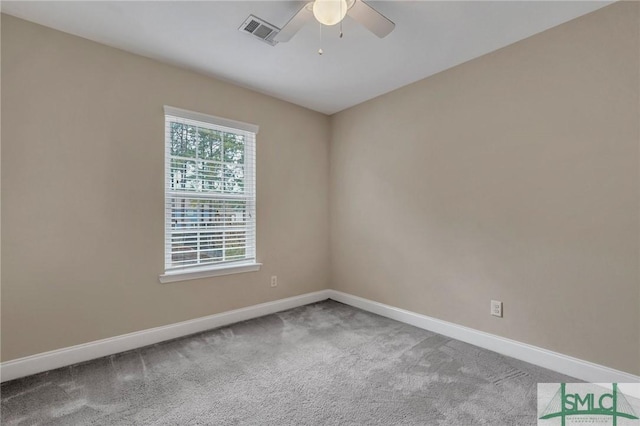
point(213, 269)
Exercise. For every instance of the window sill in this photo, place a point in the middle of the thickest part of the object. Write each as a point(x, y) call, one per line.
point(209, 271)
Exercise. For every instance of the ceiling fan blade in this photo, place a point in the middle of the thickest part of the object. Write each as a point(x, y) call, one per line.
point(293, 26)
point(373, 20)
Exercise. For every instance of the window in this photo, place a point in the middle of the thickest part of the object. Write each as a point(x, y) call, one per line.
point(210, 226)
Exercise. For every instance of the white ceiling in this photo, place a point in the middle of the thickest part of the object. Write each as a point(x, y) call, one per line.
point(430, 36)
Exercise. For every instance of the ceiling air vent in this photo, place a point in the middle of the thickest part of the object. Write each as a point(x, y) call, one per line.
point(260, 29)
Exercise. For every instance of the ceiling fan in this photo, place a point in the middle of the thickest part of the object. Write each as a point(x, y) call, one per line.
point(331, 12)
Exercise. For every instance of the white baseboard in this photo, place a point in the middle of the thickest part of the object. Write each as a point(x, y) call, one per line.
point(574, 367)
point(71, 355)
point(564, 364)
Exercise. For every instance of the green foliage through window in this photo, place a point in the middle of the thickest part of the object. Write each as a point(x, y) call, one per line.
point(209, 200)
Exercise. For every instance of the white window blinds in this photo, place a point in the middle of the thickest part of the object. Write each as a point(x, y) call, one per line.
point(210, 191)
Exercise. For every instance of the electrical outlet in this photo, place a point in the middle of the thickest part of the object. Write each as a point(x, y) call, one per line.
point(496, 308)
point(274, 281)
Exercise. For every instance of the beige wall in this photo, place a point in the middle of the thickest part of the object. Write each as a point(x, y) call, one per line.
point(512, 177)
point(82, 192)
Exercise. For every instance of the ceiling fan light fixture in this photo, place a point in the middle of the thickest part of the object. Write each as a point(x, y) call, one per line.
point(329, 12)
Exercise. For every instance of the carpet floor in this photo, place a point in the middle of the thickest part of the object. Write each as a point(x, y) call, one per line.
point(320, 364)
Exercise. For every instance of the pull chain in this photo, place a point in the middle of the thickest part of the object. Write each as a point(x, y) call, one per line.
point(320, 51)
point(341, 20)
